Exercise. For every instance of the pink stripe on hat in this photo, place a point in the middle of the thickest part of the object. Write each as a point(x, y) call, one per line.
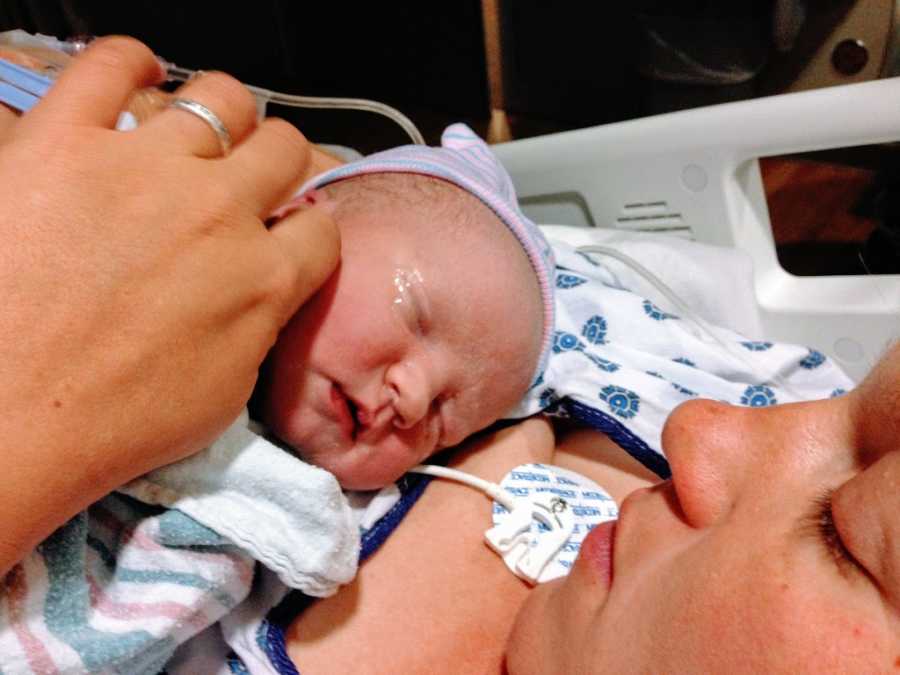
point(466, 161)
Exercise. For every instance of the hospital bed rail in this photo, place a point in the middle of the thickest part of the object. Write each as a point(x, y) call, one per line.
point(695, 173)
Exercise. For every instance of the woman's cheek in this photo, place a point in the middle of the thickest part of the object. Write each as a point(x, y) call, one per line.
point(536, 639)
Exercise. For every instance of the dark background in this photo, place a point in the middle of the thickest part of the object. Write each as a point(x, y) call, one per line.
point(565, 64)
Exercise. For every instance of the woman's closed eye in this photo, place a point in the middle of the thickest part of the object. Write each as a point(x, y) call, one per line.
point(820, 523)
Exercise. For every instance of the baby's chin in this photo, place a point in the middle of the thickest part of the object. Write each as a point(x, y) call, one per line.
point(360, 467)
point(356, 465)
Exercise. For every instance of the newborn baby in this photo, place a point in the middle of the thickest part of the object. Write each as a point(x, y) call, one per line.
point(432, 328)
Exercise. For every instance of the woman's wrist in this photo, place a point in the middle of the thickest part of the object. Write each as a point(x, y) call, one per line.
point(52, 470)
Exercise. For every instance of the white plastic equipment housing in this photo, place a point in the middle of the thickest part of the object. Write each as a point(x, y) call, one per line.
point(695, 173)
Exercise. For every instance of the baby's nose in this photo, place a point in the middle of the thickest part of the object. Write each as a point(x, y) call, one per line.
point(409, 387)
point(411, 407)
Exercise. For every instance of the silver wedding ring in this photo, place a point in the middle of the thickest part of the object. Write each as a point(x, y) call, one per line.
point(207, 116)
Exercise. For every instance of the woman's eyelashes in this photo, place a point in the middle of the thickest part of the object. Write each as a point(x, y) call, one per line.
point(820, 522)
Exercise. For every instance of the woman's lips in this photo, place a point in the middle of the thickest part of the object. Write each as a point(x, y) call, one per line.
point(340, 405)
point(597, 551)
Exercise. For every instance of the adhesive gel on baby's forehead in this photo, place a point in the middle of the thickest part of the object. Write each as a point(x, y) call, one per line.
point(409, 299)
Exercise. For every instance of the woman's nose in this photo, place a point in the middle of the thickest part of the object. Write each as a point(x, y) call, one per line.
point(708, 445)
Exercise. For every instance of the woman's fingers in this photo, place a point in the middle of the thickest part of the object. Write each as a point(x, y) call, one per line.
point(263, 172)
point(310, 241)
point(266, 169)
point(266, 164)
point(225, 97)
point(94, 89)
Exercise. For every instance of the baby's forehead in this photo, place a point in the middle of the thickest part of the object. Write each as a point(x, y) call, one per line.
point(472, 241)
point(396, 188)
point(469, 258)
point(443, 219)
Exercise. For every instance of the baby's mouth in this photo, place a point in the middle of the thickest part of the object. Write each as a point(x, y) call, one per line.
point(346, 411)
point(354, 415)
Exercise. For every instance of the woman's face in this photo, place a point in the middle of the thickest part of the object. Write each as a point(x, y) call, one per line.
point(774, 548)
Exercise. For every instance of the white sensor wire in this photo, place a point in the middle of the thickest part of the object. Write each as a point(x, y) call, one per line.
point(492, 490)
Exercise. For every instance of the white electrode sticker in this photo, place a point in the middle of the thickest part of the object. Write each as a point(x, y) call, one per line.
point(556, 508)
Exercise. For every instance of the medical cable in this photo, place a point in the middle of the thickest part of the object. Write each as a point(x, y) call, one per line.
point(687, 312)
point(492, 490)
point(20, 38)
point(175, 73)
point(540, 516)
point(179, 74)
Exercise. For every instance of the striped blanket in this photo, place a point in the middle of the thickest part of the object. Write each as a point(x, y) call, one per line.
point(119, 587)
point(116, 589)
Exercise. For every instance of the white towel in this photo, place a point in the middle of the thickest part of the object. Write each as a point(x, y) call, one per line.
point(290, 516)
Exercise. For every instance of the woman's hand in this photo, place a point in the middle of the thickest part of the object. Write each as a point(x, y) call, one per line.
point(141, 289)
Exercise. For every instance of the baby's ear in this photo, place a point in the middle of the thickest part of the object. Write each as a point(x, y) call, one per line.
point(307, 200)
point(318, 197)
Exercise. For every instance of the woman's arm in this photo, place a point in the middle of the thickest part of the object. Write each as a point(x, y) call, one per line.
point(141, 289)
point(434, 598)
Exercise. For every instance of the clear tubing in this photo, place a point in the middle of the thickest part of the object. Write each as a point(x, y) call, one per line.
point(179, 74)
point(679, 304)
point(20, 38)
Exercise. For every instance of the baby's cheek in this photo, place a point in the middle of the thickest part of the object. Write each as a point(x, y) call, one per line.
point(364, 468)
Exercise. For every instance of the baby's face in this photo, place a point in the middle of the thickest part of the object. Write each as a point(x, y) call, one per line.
point(419, 339)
